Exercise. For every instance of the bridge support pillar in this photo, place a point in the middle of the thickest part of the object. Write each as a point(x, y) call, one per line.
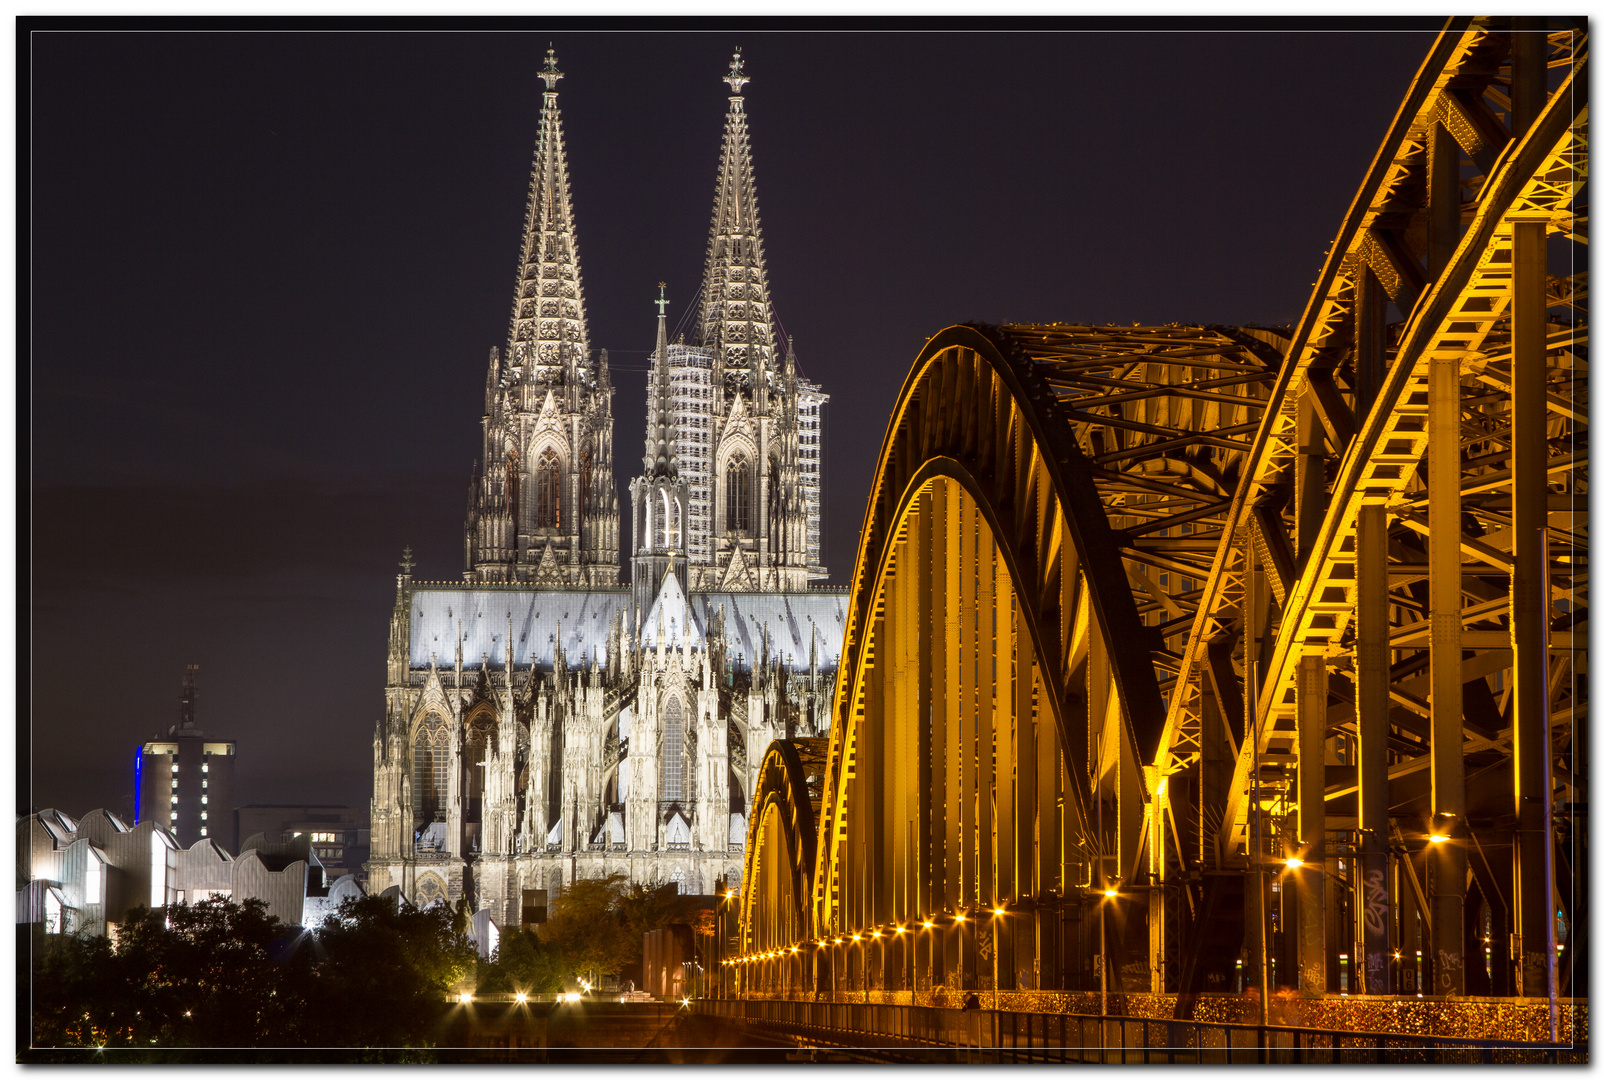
point(1534, 850)
point(1446, 961)
point(1310, 878)
point(1373, 901)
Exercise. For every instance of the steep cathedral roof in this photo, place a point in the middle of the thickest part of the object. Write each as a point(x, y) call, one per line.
point(548, 314)
point(735, 287)
point(792, 624)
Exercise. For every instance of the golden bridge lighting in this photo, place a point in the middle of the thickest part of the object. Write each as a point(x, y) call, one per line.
point(1347, 593)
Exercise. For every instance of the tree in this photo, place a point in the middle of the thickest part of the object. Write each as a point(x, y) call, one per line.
point(521, 964)
point(214, 973)
point(643, 909)
point(584, 928)
point(384, 972)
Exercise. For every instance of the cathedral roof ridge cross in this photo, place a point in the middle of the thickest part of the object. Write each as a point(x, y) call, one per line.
point(662, 299)
point(737, 77)
point(549, 74)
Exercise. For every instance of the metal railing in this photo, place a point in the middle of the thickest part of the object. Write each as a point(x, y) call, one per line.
point(1006, 1036)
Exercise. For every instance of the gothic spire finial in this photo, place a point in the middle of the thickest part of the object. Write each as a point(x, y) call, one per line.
point(661, 458)
point(548, 309)
point(549, 74)
point(735, 292)
point(737, 78)
point(406, 561)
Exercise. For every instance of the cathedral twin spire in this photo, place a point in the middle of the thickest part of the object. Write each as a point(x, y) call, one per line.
point(548, 331)
point(736, 316)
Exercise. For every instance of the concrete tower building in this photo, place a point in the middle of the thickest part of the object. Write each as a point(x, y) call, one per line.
point(186, 781)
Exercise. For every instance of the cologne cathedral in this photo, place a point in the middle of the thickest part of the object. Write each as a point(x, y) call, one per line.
point(545, 722)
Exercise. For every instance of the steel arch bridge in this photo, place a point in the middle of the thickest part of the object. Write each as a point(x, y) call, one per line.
point(1189, 658)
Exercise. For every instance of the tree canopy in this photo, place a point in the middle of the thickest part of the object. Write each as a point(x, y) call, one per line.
point(222, 975)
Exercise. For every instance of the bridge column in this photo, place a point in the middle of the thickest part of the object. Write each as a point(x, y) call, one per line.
point(925, 854)
point(1446, 961)
point(1373, 900)
point(1310, 878)
point(968, 790)
point(949, 729)
point(982, 751)
point(1158, 897)
point(1005, 727)
point(1534, 849)
point(1050, 876)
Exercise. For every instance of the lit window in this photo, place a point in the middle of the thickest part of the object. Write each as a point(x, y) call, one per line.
point(158, 870)
point(204, 768)
point(205, 784)
point(203, 830)
point(175, 768)
point(175, 800)
point(173, 815)
point(203, 815)
point(203, 800)
point(175, 783)
point(92, 880)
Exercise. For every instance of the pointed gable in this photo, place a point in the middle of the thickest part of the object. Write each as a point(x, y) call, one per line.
point(672, 613)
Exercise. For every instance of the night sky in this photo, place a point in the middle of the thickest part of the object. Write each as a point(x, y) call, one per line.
point(266, 270)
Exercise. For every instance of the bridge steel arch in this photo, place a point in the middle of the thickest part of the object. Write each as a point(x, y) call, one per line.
point(999, 695)
point(781, 850)
point(1278, 635)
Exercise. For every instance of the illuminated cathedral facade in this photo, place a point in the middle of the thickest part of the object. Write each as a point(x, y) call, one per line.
point(544, 722)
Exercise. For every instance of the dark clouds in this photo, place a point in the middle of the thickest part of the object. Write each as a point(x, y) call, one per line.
point(266, 270)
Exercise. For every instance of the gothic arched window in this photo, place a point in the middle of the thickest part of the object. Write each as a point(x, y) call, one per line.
point(673, 758)
point(737, 495)
point(429, 782)
point(548, 491)
point(480, 733)
point(774, 505)
point(584, 487)
point(510, 483)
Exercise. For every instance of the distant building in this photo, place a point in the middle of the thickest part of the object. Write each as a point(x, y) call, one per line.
point(86, 875)
point(338, 835)
point(186, 782)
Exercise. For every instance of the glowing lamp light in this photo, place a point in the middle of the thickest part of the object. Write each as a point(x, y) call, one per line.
point(958, 918)
point(520, 997)
point(998, 911)
point(902, 929)
point(1111, 893)
point(1294, 862)
point(1438, 838)
point(928, 924)
point(875, 934)
point(464, 999)
point(857, 937)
